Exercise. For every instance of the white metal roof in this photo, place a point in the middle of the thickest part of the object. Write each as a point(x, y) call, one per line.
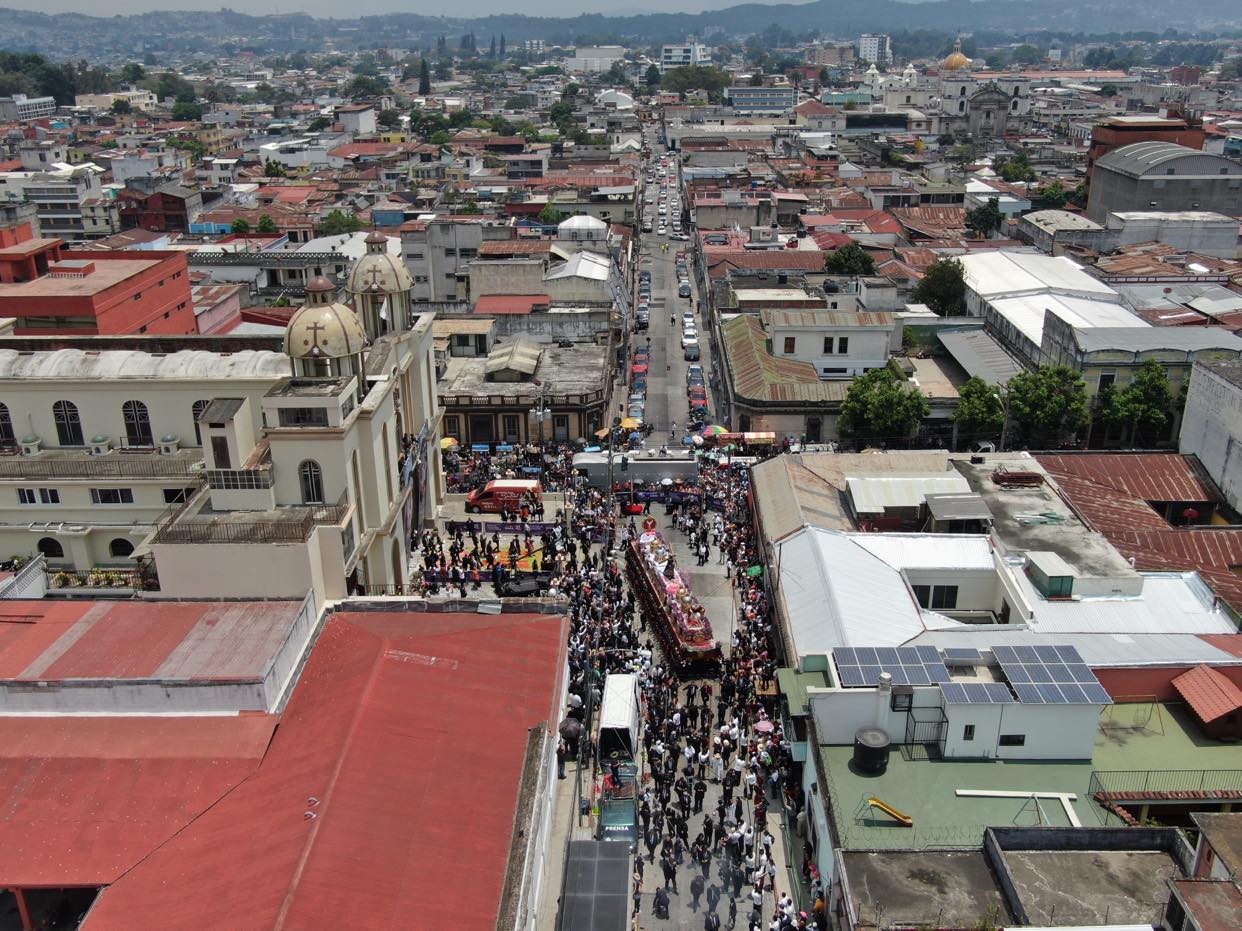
point(1026, 313)
point(582, 265)
point(838, 594)
point(995, 274)
point(1171, 602)
point(928, 550)
point(620, 703)
point(873, 494)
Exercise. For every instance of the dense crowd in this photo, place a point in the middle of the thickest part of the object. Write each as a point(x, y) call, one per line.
point(708, 732)
point(466, 469)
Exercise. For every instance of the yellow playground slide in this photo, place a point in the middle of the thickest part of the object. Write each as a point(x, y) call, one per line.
point(900, 817)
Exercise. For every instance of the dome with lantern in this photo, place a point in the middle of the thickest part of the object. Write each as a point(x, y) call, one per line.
point(955, 60)
point(323, 329)
point(378, 271)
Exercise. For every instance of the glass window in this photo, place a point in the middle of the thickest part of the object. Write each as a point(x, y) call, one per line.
point(1013, 740)
point(51, 548)
point(968, 733)
point(177, 495)
point(790, 342)
point(112, 496)
point(49, 496)
point(843, 345)
point(6, 427)
point(137, 424)
point(303, 416)
point(26, 496)
point(311, 478)
point(944, 597)
point(68, 424)
point(196, 409)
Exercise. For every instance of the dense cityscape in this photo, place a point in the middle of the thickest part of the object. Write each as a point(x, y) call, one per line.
point(772, 468)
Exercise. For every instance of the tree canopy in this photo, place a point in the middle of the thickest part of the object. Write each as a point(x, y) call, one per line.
point(850, 259)
point(1141, 408)
point(337, 222)
point(881, 408)
point(943, 288)
point(1049, 405)
point(986, 219)
point(980, 413)
point(696, 77)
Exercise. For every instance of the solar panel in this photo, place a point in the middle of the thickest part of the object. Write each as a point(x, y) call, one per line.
point(1050, 675)
point(954, 693)
point(965, 656)
point(998, 693)
point(976, 693)
point(861, 666)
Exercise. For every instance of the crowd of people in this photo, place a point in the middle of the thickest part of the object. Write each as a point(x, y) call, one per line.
point(466, 468)
point(715, 760)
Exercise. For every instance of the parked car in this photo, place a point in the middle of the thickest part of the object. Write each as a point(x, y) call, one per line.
point(691, 353)
point(687, 318)
point(524, 586)
point(687, 341)
point(693, 373)
point(683, 289)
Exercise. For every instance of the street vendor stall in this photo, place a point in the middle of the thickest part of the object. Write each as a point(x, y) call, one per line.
point(677, 616)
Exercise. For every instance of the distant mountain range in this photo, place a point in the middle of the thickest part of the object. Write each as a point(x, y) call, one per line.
point(64, 34)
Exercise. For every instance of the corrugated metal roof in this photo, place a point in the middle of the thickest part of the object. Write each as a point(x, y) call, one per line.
point(1150, 339)
point(929, 550)
point(1099, 650)
point(824, 318)
point(875, 494)
point(760, 376)
point(980, 354)
point(1140, 158)
point(387, 798)
point(520, 355)
point(1211, 694)
point(837, 594)
point(1148, 476)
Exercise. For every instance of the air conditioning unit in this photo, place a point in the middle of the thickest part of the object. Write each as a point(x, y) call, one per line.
point(169, 444)
point(31, 445)
point(101, 445)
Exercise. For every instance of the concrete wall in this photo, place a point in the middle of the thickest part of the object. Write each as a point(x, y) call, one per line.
point(1203, 233)
point(1212, 430)
point(134, 696)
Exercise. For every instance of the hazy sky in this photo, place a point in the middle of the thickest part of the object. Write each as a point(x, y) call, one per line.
point(339, 8)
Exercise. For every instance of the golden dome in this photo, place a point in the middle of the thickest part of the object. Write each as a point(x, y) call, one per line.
point(323, 329)
point(955, 60)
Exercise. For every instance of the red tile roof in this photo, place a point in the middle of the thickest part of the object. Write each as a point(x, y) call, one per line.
point(1150, 476)
point(1209, 693)
point(516, 247)
point(796, 260)
point(86, 799)
point(510, 303)
point(389, 793)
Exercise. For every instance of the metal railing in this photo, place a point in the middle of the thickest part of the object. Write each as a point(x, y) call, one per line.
point(107, 466)
point(240, 479)
point(101, 577)
point(1160, 781)
point(294, 527)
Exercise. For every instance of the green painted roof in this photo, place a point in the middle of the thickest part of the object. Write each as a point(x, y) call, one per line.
point(793, 685)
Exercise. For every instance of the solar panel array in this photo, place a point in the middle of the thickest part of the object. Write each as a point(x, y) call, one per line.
point(976, 693)
point(1050, 675)
point(861, 666)
point(963, 656)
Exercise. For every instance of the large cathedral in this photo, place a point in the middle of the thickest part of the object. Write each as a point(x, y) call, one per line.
point(954, 100)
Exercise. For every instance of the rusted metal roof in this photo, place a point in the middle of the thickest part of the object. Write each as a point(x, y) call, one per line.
point(389, 793)
point(1209, 693)
point(760, 376)
point(1150, 476)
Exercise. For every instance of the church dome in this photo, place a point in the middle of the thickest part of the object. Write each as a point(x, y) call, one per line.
point(378, 271)
point(955, 61)
point(323, 329)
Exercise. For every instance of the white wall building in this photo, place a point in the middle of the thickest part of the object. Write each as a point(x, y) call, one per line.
point(839, 344)
point(681, 56)
point(1212, 425)
point(595, 58)
point(875, 48)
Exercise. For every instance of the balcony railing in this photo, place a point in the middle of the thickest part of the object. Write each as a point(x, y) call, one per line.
point(293, 525)
point(240, 479)
point(101, 578)
point(1158, 782)
point(108, 466)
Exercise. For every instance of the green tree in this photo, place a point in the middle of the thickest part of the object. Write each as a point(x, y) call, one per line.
point(880, 408)
point(652, 77)
point(756, 78)
point(1027, 55)
point(389, 119)
point(550, 216)
point(444, 70)
point(274, 169)
point(850, 259)
point(337, 222)
point(121, 107)
point(318, 124)
point(1014, 169)
point(502, 45)
point(424, 77)
point(1142, 408)
point(1049, 405)
point(470, 208)
point(696, 77)
point(240, 226)
point(364, 85)
point(980, 413)
point(1050, 197)
point(132, 73)
point(943, 288)
point(986, 219)
point(187, 110)
point(1108, 90)
point(266, 224)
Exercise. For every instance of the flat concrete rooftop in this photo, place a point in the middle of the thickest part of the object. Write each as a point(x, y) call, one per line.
point(1092, 887)
point(936, 888)
point(1036, 518)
